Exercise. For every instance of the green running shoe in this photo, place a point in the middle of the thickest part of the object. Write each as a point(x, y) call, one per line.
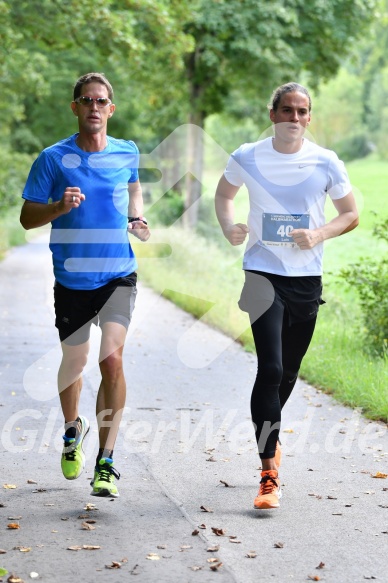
point(103, 482)
point(73, 457)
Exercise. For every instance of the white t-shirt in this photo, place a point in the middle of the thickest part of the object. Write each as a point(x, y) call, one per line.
point(286, 191)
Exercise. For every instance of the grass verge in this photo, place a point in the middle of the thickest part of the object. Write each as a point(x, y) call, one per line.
point(11, 231)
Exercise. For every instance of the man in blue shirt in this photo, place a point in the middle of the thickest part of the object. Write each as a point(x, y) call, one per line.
point(88, 187)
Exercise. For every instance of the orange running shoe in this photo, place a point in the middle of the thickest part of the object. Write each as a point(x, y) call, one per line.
point(278, 454)
point(269, 492)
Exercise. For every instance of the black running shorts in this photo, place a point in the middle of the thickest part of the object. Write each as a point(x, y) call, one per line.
point(300, 296)
point(76, 310)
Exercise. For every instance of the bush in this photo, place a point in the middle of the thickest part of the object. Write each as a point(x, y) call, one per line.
point(167, 210)
point(357, 146)
point(14, 168)
point(370, 279)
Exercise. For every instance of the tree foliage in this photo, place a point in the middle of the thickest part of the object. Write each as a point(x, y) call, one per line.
point(254, 45)
point(370, 279)
point(170, 61)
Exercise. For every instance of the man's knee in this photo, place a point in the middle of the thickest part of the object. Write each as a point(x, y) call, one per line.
point(74, 358)
point(112, 364)
point(270, 373)
point(290, 374)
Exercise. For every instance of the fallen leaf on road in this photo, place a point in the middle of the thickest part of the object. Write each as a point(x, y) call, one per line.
point(205, 509)
point(3, 571)
point(86, 526)
point(278, 545)
point(195, 532)
point(196, 568)
point(213, 549)
point(31, 482)
point(74, 548)
point(2, 505)
point(14, 517)
point(313, 578)
point(9, 486)
point(234, 540)
point(336, 513)
point(202, 526)
point(184, 547)
point(13, 525)
point(2, 552)
point(226, 484)
point(380, 475)
point(161, 547)
point(89, 506)
point(114, 565)
point(320, 566)
point(38, 490)
point(213, 560)
point(216, 567)
point(25, 549)
point(34, 575)
point(218, 531)
point(288, 431)
point(152, 557)
point(91, 547)
point(251, 555)
point(14, 579)
point(331, 498)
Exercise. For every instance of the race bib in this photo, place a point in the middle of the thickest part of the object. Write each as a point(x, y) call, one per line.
point(277, 228)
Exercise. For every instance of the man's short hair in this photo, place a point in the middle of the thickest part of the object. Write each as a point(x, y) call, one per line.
point(291, 87)
point(92, 78)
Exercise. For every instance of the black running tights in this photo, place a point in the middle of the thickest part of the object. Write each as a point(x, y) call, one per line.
point(280, 349)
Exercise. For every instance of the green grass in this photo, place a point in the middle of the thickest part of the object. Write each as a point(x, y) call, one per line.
point(337, 364)
point(11, 231)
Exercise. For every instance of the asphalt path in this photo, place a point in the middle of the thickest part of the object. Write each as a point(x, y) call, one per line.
point(187, 457)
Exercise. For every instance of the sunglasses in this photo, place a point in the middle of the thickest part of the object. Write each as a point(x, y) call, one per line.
point(87, 101)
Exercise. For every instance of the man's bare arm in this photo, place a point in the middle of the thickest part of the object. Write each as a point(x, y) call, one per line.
point(345, 221)
point(224, 203)
point(36, 214)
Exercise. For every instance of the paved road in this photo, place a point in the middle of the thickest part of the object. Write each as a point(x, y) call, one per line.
point(186, 442)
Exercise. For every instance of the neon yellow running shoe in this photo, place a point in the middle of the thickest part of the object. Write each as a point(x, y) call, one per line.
point(104, 479)
point(73, 457)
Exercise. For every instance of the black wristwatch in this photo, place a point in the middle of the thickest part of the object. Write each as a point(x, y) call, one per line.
point(133, 219)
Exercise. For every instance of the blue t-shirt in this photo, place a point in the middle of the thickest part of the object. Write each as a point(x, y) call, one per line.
point(89, 244)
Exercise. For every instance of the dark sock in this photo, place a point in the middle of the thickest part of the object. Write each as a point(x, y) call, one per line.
point(71, 431)
point(104, 453)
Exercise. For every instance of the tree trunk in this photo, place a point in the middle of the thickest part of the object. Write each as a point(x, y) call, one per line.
point(195, 153)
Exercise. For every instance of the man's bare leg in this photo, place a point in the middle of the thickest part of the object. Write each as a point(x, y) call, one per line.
point(69, 385)
point(109, 406)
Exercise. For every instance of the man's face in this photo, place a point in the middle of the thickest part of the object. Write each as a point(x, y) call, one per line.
point(92, 118)
point(291, 117)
